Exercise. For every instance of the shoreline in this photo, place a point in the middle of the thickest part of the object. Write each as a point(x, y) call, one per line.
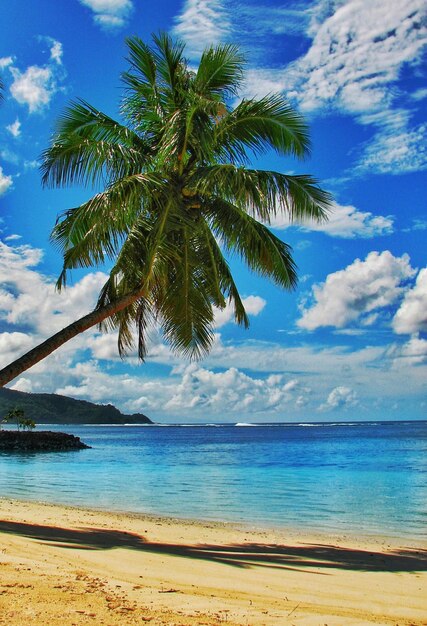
point(291, 531)
point(66, 565)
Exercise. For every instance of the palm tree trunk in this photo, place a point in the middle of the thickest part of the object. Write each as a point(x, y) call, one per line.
point(43, 350)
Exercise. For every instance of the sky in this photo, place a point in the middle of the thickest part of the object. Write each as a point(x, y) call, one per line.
point(350, 343)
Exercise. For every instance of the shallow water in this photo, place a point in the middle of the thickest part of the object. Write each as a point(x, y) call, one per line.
point(360, 477)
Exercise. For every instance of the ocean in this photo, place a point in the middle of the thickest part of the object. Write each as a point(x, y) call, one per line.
point(368, 478)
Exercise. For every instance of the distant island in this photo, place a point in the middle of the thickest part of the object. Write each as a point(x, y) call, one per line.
point(50, 408)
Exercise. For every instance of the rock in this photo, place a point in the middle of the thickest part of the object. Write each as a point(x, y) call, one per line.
point(41, 441)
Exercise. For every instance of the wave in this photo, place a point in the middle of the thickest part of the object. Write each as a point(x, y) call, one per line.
point(245, 424)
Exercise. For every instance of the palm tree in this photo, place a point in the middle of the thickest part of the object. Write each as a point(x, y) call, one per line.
point(179, 195)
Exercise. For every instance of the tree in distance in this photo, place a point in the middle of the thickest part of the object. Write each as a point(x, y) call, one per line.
point(18, 416)
point(179, 197)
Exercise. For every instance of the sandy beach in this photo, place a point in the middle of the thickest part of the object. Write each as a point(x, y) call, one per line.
point(69, 566)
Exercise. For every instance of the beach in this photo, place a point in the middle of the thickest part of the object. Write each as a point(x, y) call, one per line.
point(71, 566)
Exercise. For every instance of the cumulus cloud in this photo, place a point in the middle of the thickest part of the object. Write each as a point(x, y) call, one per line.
point(5, 182)
point(110, 14)
point(202, 22)
point(15, 128)
point(413, 352)
point(253, 306)
point(225, 390)
point(230, 391)
point(5, 62)
point(253, 380)
point(12, 343)
point(411, 317)
point(190, 390)
point(339, 398)
point(23, 384)
point(346, 222)
point(36, 85)
point(29, 299)
point(360, 289)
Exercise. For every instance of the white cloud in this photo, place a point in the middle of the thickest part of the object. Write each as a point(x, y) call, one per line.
point(5, 62)
point(110, 14)
point(251, 381)
point(361, 288)
point(346, 222)
point(356, 56)
point(34, 87)
point(411, 316)
point(5, 182)
point(419, 94)
point(193, 392)
point(12, 344)
point(230, 391)
point(353, 66)
point(259, 82)
point(9, 156)
point(15, 128)
point(414, 352)
point(13, 237)
point(23, 384)
point(339, 398)
point(253, 305)
point(56, 51)
point(30, 299)
point(202, 23)
point(357, 53)
point(418, 224)
point(31, 165)
point(395, 151)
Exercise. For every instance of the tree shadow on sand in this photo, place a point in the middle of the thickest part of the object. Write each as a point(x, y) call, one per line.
point(301, 557)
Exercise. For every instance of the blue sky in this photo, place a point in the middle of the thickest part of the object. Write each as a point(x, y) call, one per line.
point(351, 342)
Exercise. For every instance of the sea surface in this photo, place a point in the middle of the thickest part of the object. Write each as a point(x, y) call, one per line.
point(369, 478)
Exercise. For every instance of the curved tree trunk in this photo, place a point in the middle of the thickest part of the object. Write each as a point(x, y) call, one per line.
point(43, 350)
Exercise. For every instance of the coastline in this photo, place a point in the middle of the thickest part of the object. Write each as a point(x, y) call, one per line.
point(67, 565)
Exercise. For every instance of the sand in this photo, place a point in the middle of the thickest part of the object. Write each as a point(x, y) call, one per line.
point(67, 566)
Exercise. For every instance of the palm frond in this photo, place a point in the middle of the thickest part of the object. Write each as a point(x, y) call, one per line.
point(94, 232)
point(264, 193)
point(220, 71)
point(260, 125)
point(218, 267)
point(263, 252)
point(89, 147)
point(185, 308)
point(170, 62)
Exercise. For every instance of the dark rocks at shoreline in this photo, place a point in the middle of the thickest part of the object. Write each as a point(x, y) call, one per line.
point(42, 441)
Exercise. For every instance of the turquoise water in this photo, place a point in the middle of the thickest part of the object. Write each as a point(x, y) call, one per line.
point(365, 477)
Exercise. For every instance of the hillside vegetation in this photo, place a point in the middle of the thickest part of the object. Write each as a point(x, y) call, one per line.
point(49, 408)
